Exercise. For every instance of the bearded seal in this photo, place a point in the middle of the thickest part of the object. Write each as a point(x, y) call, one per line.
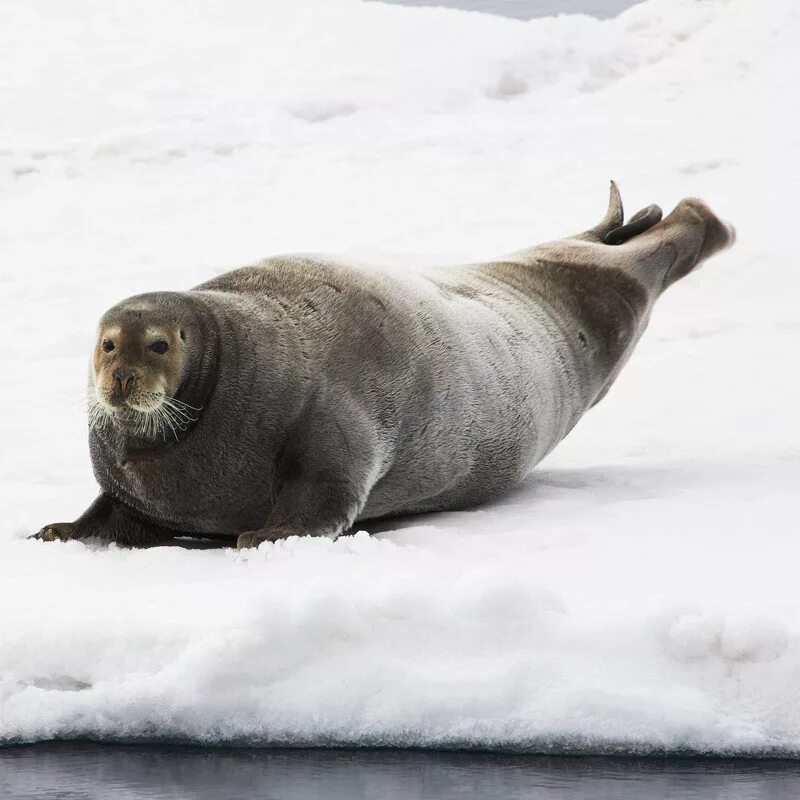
point(299, 395)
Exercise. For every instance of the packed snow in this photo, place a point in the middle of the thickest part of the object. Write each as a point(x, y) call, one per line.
point(637, 592)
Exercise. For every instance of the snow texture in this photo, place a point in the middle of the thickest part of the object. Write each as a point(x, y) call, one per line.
point(638, 592)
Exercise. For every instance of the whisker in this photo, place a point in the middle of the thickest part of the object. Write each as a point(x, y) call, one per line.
point(156, 412)
point(166, 417)
point(181, 408)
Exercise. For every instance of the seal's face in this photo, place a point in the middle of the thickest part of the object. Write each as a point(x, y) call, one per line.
point(138, 365)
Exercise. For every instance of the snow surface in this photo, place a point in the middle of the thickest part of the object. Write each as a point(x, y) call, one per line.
point(638, 592)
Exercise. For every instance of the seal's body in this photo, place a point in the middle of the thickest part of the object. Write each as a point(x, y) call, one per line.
point(300, 395)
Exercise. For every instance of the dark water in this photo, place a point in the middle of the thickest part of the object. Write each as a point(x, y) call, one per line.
point(528, 9)
point(90, 771)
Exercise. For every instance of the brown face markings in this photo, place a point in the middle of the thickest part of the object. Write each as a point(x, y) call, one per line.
point(137, 364)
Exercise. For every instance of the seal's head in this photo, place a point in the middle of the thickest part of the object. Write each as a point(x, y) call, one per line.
point(142, 357)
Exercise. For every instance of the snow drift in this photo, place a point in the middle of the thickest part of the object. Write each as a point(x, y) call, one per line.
point(637, 592)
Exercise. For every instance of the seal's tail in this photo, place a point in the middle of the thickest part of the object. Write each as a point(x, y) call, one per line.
point(661, 251)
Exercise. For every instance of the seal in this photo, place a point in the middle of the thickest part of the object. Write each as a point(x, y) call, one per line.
point(299, 395)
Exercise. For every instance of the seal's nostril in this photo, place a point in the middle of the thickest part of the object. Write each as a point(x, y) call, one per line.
point(123, 382)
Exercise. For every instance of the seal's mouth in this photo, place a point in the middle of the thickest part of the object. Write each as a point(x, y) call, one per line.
point(149, 415)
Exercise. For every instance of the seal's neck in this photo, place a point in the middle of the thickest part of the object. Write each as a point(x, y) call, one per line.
point(198, 384)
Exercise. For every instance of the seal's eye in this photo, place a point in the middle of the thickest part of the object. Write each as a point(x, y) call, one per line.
point(108, 345)
point(159, 347)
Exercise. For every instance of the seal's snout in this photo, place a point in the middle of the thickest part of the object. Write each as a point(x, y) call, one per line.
point(124, 380)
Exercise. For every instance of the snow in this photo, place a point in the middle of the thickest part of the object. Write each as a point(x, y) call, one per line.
point(638, 592)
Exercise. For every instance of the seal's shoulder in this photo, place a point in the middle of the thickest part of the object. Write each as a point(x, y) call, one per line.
point(277, 273)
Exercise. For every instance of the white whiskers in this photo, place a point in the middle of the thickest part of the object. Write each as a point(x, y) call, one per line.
point(156, 414)
point(99, 414)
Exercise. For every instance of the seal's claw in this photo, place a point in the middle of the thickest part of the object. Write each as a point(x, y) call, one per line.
point(250, 539)
point(255, 538)
point(57, 532)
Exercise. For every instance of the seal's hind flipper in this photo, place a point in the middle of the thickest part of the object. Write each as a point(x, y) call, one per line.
point(614, 218)
point(640, 222)
point(675, 246)
point(613, 229)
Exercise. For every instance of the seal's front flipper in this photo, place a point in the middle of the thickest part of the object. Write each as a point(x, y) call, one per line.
point(108, 520)
point(640, 222)
point(310, 505)
point(324, 475)
point(57, 532)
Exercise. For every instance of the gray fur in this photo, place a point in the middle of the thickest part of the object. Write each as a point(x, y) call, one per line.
point(331, 395)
